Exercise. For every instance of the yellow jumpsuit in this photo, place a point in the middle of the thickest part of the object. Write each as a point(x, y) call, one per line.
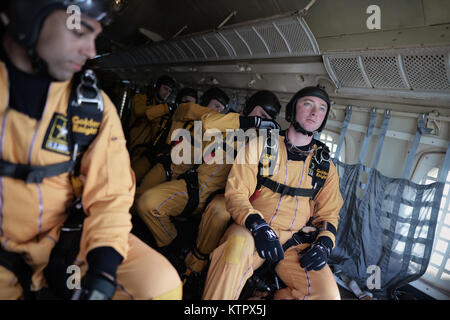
point(215, 218)
point(158, 117)
point(144, 129)
point(235, 259)
point(31, 214)
point(183, 117)
point(156, 205)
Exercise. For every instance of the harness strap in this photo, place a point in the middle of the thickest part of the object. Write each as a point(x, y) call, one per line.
point(85, 106)
point(34, 174)
point(15, 263)
point(304, 235)
point(198, 254)
point(191, 178)
point(65, 251)
point(318, 170)
point(165, 160)
point(283, 189)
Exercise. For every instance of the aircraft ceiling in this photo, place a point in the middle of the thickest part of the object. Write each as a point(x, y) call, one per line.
point(406, 60)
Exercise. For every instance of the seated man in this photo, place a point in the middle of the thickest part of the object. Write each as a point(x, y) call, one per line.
point(185, 194)
point(142, 131)
point(270, 206)
point(259, 108)
point(39, 55)
point(214, 100)
point(156, 150)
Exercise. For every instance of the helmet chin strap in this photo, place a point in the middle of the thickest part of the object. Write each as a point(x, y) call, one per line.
point(300, 129)
point(38, 64)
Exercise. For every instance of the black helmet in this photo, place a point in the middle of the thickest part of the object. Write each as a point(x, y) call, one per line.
point(166, 80)
point(186, 92)
point(318, 92)
point(266, 100)
point(27, 16)
point(214, 93)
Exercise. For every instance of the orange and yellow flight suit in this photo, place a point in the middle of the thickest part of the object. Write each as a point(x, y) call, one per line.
point(183, 118)
point(157, 204)
point(158, 117)
point(31, 214)
point(144, 128)
point(215, 218)
point(235, 259)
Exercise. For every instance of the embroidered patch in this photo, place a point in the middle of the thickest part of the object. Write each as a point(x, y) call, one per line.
point(85, 126)
point(321, 174)
point(56, 138)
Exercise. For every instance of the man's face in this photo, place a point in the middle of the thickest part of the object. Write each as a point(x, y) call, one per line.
point(65, 51)
point(164, 92)
point(310, 112)
point(259, 111)
point(216, 105)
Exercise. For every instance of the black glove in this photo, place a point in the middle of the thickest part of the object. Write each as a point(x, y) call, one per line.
point(316, 256)
point(95, 287)
point(99, 282)
point(266, 240)
point(258, 122)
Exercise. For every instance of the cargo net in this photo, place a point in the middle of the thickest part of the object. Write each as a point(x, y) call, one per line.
point(386, 229)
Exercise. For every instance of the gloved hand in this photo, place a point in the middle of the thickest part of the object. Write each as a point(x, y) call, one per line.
point(316, 256)
point(95, 287)
point(266, 240)
point(258, 122)
point(99, 282)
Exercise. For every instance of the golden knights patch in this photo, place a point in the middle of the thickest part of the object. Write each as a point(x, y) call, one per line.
point(86, 126)
point(56, 138)
point(315, 171)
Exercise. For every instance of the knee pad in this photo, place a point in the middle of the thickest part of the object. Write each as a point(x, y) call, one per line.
point(233, 249)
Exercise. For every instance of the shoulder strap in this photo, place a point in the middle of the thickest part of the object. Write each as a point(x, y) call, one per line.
point(319, 166)
point(268, 158)
point(318, 170)
point(85, 112)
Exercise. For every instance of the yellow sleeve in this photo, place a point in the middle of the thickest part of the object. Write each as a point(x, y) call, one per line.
point(328, 203)
point(109, 187)
point(222, 122)
point(241, 184)
point(191, 111)
point(155, 112)
point(139, 105)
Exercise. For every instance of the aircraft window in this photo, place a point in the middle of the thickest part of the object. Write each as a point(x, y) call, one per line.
point(331, 140)
point(438, 271)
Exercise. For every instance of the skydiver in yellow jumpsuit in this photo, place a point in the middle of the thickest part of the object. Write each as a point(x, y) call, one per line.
point(169, 199)
point(142, 130)
point(260, 107)
point(212, 101)
point(39, 54)
point(156, 150)
point(264, 223)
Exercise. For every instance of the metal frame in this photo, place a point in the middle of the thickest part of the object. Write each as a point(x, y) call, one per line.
point(160, 56)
